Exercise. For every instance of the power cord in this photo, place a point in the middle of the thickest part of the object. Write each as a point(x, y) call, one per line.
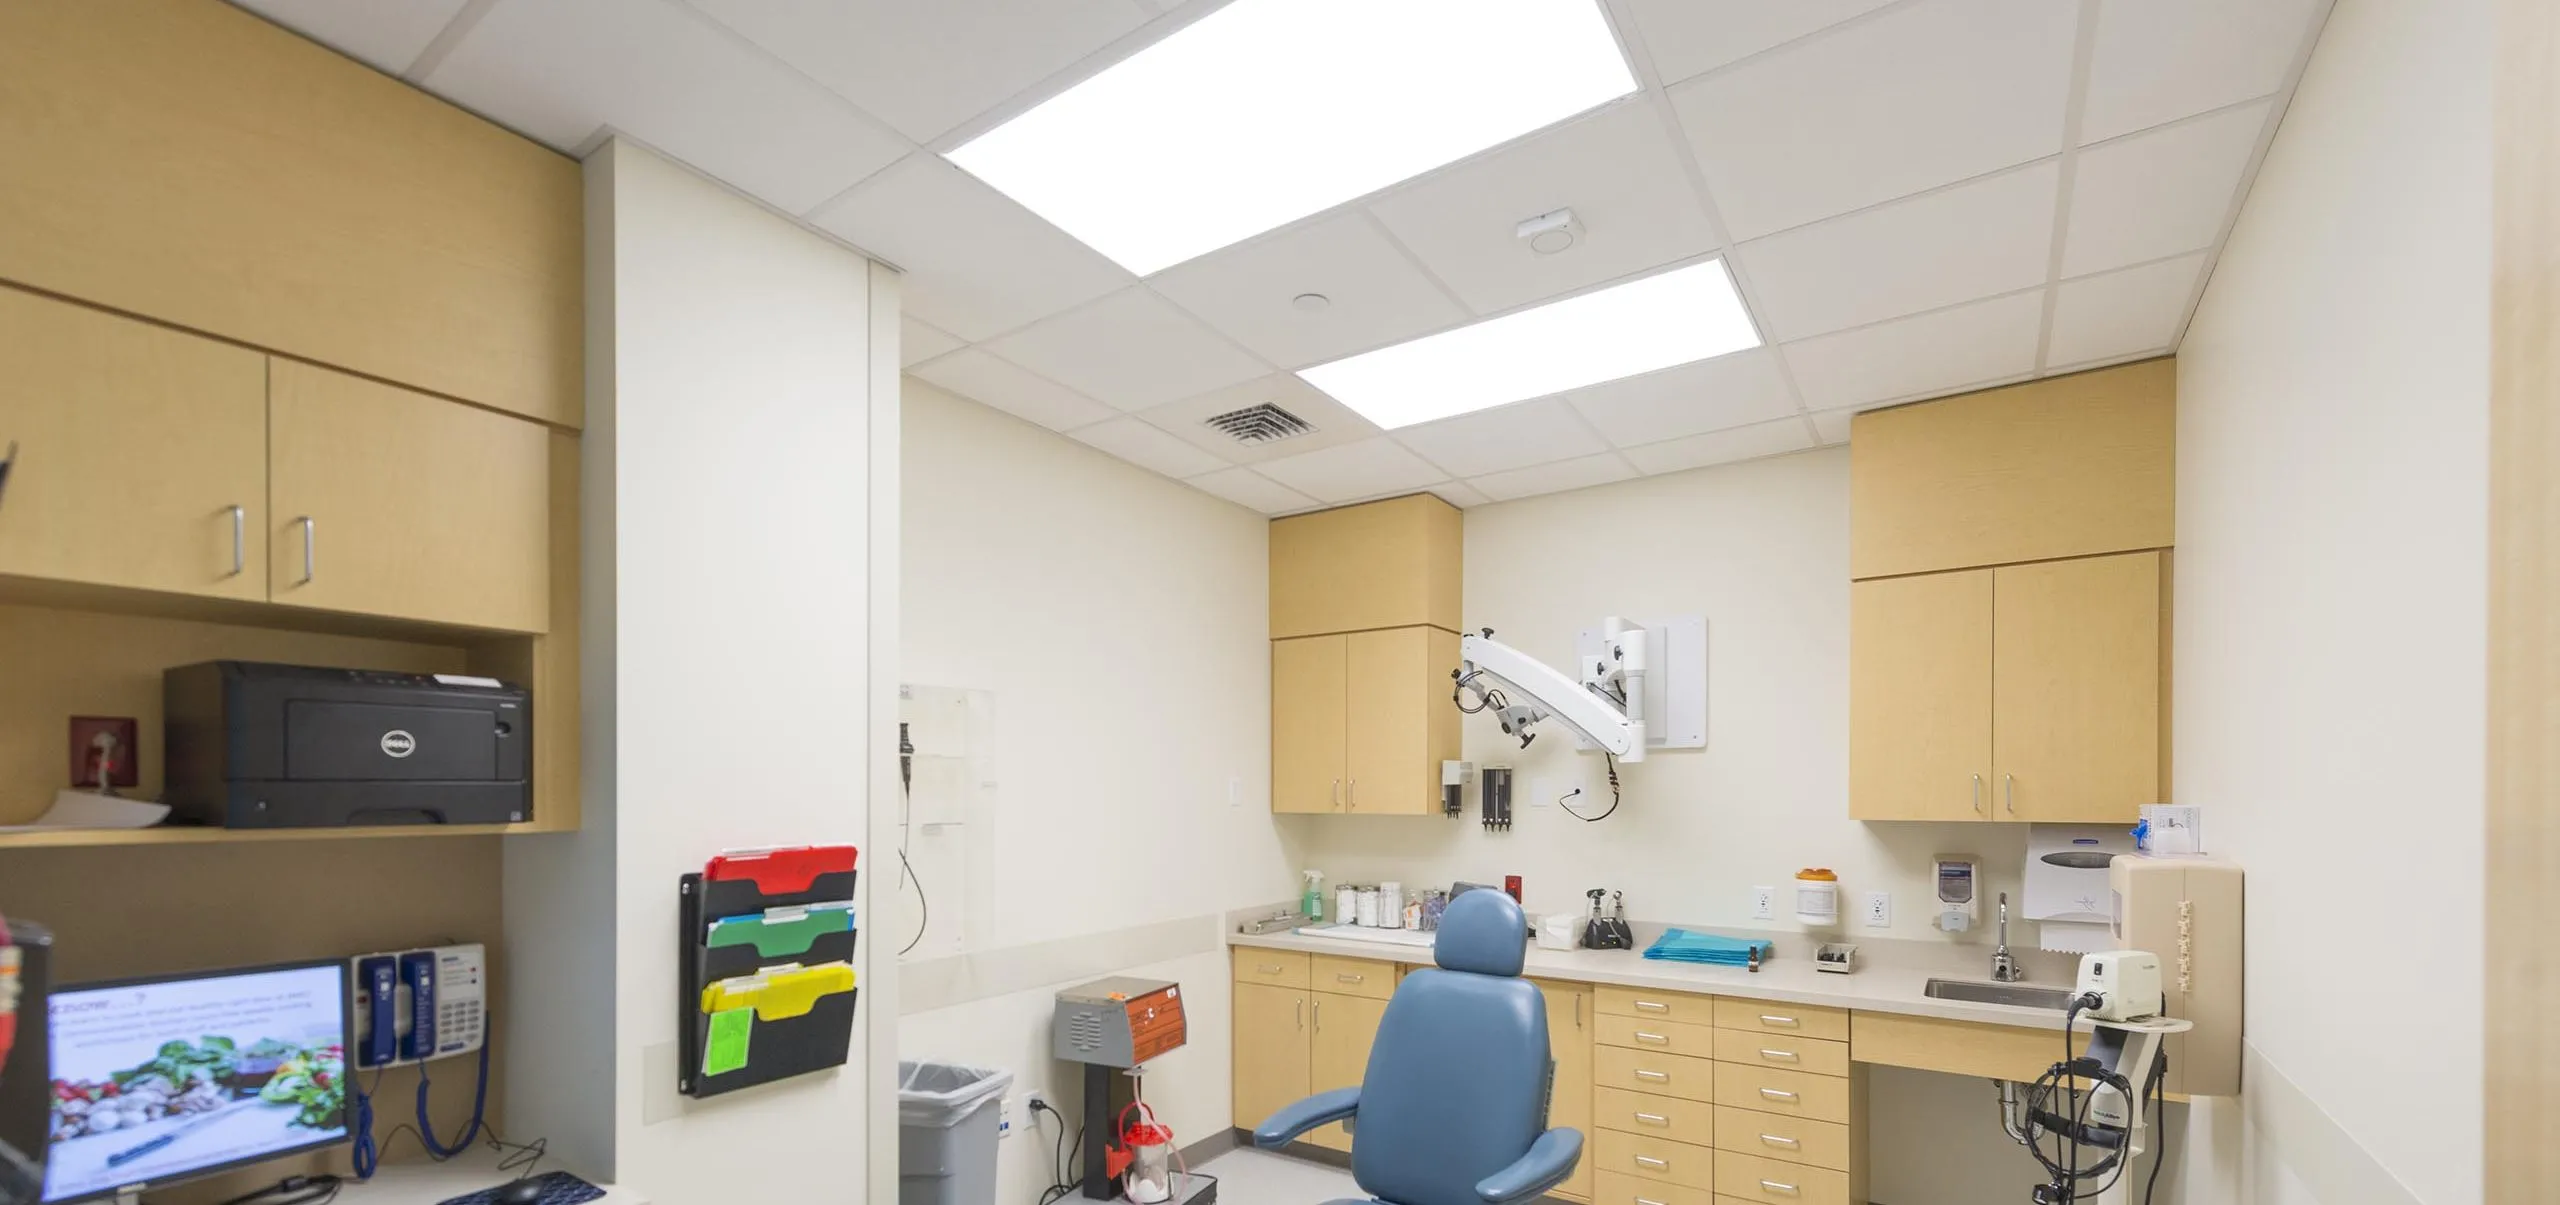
point(1062, 1172)
point(906, 814)
point(1614, 797)
point(312, 1189)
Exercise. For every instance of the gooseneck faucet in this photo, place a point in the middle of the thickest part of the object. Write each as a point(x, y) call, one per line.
point(2004, 968)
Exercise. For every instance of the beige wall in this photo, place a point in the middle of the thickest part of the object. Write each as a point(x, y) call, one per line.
point(1119, 621)
point(2331, 600)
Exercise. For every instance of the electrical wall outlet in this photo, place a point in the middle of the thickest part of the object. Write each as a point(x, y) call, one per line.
point(1764, 903)
point(1015, 1116)
point(1877, 909)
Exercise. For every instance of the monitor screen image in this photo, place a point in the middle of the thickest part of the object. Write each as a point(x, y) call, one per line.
point(173, 1077)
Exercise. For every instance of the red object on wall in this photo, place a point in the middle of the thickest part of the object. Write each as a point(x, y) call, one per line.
point(1511, 887)
point(123, 757)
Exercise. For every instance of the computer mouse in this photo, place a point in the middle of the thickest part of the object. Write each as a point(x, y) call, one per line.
point(522, 1192)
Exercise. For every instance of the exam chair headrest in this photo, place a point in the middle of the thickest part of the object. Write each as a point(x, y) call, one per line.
point(1482, 933)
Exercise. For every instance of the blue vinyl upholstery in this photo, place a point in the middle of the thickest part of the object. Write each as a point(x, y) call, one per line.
point(1453, 1109)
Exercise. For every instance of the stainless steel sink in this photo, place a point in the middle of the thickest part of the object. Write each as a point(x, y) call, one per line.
point(2016, 994)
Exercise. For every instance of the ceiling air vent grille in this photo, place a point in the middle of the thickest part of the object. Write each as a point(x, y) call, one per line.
point(1261, 424)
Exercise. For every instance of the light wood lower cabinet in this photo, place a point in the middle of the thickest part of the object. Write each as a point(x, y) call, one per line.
point(1619, 1188)
point(1772, 1136)
point(1569, 1041)
point(1752, 1178)
point(1656, 1159)
point(140, 453)
point(388, 502)
point(1271, 1051)
point(1345, 1027)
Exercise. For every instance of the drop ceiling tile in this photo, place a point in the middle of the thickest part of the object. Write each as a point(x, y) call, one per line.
point(924, 68)
point(1722, 447)
point(1375, 296)
point(1132, 349)
point(1334, 422)
point(1974, 240)
point(1925, 95)
point(2121, 313)
point(1691, 36)
point(983, 378)
point(919, 342)
point(1366, 469)
point(977, 264)
point(1909, 357)
point(1510, 437)
point(1710, 395)
point(559, 69)
point(1832, 426)
point(1147, 447)
point(1554, 478)
point(1251, 490)
point(388, 34)
point(2160, 60)
point(1618, 169)
point(2158, 193)
point(1460, 494)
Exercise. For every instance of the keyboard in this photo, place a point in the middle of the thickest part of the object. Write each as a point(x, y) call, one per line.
point(558, 1188)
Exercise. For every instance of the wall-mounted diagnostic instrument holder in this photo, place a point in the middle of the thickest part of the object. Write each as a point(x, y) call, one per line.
point(766, 985)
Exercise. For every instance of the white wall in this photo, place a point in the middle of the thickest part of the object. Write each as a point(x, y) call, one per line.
point(2331, 601)
point(1120, 622)
point(732, 663)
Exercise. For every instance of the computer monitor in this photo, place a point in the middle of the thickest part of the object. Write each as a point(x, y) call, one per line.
point(177, 1076)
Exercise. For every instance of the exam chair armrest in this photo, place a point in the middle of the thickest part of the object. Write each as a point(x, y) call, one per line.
point(1549, 1162)
point(1323, 1108)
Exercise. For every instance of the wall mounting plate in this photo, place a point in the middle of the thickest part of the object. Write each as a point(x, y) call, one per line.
point(1675, 688)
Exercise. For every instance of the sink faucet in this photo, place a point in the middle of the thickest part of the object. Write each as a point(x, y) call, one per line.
point(2004, 968)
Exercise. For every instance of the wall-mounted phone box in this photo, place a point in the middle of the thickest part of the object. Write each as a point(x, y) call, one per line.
point(413, 1006)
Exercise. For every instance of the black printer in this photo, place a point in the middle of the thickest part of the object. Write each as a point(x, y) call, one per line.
point(252, 745)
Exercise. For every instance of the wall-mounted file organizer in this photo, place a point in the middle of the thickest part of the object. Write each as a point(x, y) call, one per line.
point(766, 982)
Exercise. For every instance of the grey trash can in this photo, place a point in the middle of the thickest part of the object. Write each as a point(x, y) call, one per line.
point(947, 1116)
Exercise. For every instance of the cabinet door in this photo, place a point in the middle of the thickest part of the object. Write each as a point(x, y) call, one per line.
point(1308, 692)
point(388, 502)
point(1569, 1037)
point(1402, 724)
point(134, 444)
point(1345, 1026)
point(2076, 693)
point(1920, 690)
point(1271, 1051)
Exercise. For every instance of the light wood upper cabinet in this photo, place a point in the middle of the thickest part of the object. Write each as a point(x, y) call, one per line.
point(1378, 565)
point(388, 502)
point(1920, 670)
point(1272, 1050)
point(135, 444)
point(1310, 727)
point(187, 161)
point(1402, 724)
point(2072, 466)
point(2075, 721)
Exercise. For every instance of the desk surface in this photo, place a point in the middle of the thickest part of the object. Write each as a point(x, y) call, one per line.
point(432, 1183)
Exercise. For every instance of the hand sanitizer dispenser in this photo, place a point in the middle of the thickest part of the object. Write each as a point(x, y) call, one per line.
point(1957, 896)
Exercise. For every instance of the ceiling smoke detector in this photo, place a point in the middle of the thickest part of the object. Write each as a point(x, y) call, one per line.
point(1549, 233)
point(1261, 424)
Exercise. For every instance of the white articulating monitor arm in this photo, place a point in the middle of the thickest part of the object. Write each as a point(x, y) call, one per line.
point(1606, 705)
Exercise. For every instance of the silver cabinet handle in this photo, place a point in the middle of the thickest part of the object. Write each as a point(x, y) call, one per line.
point(1337, 794)
point(8, 460)
point(1653, 1119)
point(1577, 1010)
point(1319, 1010)
point(239, 541)
point(1352, 978)
point(1659, 1077)
point(2009, 793)
point(310, 536)
point(1774, 1140)
point(1267, 968)
point(1650, 1161)
point(1654, 1038)
point(1774, 1186)
point(1781, 1022)
point(1779, 1056)
point(1775, 1094)
point(1652, 1006)
point(1647, 1201)
point(1977, 794)
point(1351, 795)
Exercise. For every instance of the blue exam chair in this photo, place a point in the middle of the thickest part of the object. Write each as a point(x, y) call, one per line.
point(1453, 1109)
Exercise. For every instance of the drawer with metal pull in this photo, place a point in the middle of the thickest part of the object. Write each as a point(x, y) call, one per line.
point(1690, 1121)
point(1800, 1020)
point(1657, 1074)
point(1619, 1188)
point(1758, 1180)
point(1791, 1093)
point(1353, 977)
point(1775, 1136)
point(1656, 1006)
point(1648, 1033)
point(1762, 1048)
point(1654, 1159)
point(1278, 968)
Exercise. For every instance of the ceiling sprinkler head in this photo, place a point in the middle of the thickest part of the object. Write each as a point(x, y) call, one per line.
point(1549, 233)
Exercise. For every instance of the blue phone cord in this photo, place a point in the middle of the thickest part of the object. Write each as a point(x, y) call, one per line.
point(479, 1108)
point(367, 1157)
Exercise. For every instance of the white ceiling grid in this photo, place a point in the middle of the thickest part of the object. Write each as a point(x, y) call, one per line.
point(1915, 197)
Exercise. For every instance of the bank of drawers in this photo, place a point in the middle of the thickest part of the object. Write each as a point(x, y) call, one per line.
point(1700, 1100)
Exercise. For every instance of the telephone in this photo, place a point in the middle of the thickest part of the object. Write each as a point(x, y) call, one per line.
point(415, 1005)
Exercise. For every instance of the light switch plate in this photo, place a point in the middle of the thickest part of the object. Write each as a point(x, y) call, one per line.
point(1764, 903)
point(1876, 908)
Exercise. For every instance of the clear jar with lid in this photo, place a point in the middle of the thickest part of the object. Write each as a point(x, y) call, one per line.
point(1818, 897)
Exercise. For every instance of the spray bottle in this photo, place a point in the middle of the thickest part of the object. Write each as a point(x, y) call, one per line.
point(1312, 903)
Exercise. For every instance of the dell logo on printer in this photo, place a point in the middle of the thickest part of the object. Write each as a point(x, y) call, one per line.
point(398, 743)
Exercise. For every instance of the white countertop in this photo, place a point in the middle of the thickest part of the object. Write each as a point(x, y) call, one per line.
point(434, 1183)
point(1890, 988)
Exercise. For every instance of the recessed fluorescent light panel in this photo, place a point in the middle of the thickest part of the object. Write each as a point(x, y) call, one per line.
point(1679, 316)
point(1266, 111)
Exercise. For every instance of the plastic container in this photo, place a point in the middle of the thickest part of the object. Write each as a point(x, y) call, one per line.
point(1391, 905)
point(1346, 905)
point(1818, 897)
point(1369, 907)
point(1312, 903)
point(947, 1123)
